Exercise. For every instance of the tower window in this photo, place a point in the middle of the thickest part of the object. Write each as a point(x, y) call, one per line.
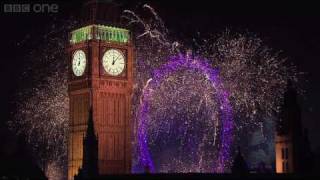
point(283, 167)
point(287, 166)
point(282, 153)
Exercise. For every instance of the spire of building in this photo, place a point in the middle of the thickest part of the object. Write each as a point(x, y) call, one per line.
point(307, 156)
point(290, 144)
point(239, 165)
point(101, 12)
point(90, 152)
point(90, 134)
point(290, 116)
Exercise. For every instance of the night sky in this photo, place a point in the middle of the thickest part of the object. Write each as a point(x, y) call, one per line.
point(298, 36)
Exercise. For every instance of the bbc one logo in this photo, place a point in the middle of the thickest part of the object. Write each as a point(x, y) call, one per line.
point(27, 8)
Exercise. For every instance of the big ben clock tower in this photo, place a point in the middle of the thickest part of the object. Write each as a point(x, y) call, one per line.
point(100, 77)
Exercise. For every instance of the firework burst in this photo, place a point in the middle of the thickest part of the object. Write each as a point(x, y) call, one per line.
point(42, 104)
point(253, 74)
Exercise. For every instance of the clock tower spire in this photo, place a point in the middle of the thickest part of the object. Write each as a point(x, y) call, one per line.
point(101, 59)
point(101, 12)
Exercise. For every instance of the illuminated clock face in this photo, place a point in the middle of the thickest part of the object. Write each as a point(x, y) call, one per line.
point(78, 63)
point(113, 62)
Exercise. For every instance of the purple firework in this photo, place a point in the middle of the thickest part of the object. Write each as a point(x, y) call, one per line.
point(197, 64)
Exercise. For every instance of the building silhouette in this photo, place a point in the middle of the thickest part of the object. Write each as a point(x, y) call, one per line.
point(292, 147)
point(90, 153)
point(239, 165)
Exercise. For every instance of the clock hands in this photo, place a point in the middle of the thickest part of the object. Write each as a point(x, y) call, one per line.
point(114, 60)
point(79, 63)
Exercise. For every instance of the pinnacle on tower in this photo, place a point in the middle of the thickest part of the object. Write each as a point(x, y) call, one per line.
point(239, 165)
point(101, 12)
point(90, 152)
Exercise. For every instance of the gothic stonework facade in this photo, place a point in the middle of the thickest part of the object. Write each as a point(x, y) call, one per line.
point(101, 76)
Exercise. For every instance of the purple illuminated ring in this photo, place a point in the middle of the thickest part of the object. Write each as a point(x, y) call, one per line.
point(176, 63)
